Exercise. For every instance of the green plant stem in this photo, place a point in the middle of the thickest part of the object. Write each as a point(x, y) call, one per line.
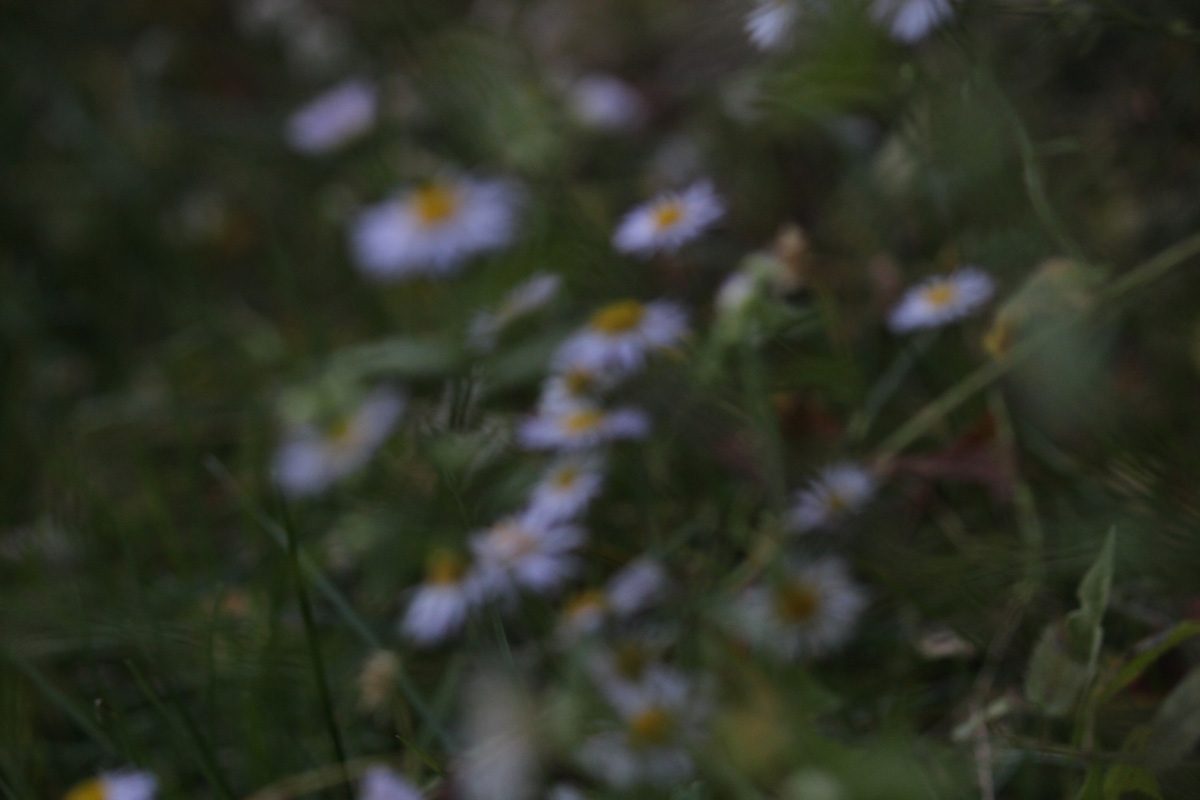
point(314, 648)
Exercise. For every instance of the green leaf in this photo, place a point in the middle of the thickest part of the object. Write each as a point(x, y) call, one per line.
point(1064, 660)
point(1175, 729)
point(398, 358)
point(1123, 780)
point(1158, 646)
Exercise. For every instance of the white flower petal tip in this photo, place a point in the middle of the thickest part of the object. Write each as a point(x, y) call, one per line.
point(381, 783)
point(310, 460)
point(431, 230)
point(838, 492)
point(771, 23)
point(669, 221)
point(942, 299)
point(335, 118)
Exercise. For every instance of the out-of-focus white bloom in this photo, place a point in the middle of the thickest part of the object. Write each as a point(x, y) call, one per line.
point(618, 336)
point(564, 791)
point(499, 760)
point(660, 720)
point(583, 614)
point(606, 103)
point(441, 604)
point(581, 427)
point(434, 228)
point(668, 221)
point(636, 586)
point(771, 23)
point(942, 299)
point(574, 386)
point(309, 460)
point(381, 783)
point(567, 488)
point(839, 491)
point(523, 553)
point(736, 293)
point(522, 300)
point(336, 117)
point(123, 785)
point(807, 612)
point(910, 20)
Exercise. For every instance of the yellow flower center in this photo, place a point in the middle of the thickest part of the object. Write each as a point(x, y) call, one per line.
point(583, 421)
point(941, 294)
point(444, 568)
point(585, 602)
point(90, 790)
point(797, 602)
point(513, 541)
point(667, 214)
point(434, 204)
point(835, 502)
point(343, 433)
point(565, 478)
point(619, 317)
point(579, 381)
point(630, 661)
point(651, 727)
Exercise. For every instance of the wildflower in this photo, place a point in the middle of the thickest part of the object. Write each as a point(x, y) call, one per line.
point(566, 489)
point(123, 785)
point(659, 721)
point(942, 299)
point(434, 228)
point(381, 783)
point(771, 22)
point(521, 552)
point(564, 791)
point(810, 611)
point(440, 606)
point(668, 221)
point(310, 459)
point(636, 586)
point(333, 119)
point(606, 103)
point(573, 386)
point(840, 490)
point(618, 337)
point(910, 20)
point(583, 614)
point(522, 300)
point(377, 680)
point(580, 427)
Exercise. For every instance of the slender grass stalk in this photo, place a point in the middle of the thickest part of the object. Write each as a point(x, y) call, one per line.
point(62, 701)
point(184, 728)
point(314, 646)
point(336, 599)
point(754, 383)
point(887, 385)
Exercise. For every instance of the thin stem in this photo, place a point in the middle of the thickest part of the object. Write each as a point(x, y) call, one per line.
point(314, 647)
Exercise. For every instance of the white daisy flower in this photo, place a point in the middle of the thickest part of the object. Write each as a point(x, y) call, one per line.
point(636, 586)
point(771, 23)
point(659, 721)
point(333, 119)
point(606, 103)
point(440, 606)
point(123, 785)
point(618, 337)
point(574, 386)
point(583, 615)
point(910, 20)
point(668, 221)
point(310, 459)
point(839, 491)
point(381, 783)
point(811, 610)
point(581, 427)
point(522, 553)
point(567, 488)
point(941, 300)
point(432, 229)
point(521, 301)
